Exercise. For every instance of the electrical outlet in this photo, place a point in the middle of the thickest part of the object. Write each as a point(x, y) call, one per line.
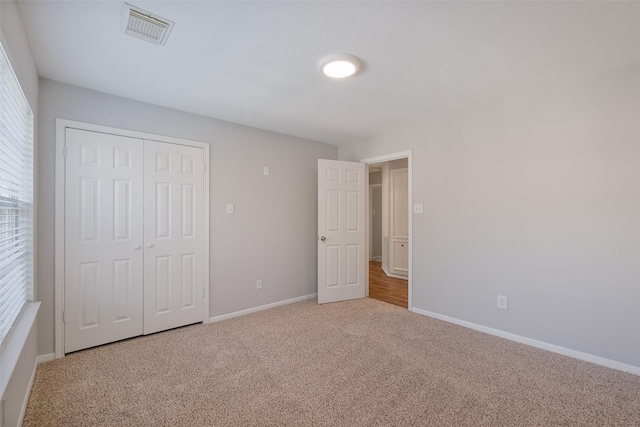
point(266, 171)
point(230, 209)
point(258, 284)
point(502, 302)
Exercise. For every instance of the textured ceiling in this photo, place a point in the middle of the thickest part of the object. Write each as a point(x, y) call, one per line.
point(256, 63)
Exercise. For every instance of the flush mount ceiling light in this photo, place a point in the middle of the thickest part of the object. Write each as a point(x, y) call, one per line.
point(340, 66)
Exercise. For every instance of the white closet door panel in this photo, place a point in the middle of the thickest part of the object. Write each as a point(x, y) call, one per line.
point(173, 229)
point(103, 239)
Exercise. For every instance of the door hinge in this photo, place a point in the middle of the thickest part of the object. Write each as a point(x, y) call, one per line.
point(204, 167)
point(204, 292)
point(64, 316)
point(64, 151)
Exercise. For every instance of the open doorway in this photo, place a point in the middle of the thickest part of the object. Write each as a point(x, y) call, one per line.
point(389, 228)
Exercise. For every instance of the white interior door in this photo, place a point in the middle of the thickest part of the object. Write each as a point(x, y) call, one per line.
point(341, 231)
point(103, 239)
point(173, 234)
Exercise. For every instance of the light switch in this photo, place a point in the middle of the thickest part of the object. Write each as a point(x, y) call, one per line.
point(229, 208)
point(418, 208)
point(266, 171)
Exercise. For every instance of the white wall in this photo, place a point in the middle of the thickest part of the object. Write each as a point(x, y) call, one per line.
point(536, 198)
point(376, 222)
point(375, 177)
point(15, 42)
point(272, 235)
point(398, 164)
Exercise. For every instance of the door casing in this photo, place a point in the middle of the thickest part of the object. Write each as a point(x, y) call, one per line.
point(59, 253)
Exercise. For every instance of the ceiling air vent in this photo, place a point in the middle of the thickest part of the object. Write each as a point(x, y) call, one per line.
point(146, 26)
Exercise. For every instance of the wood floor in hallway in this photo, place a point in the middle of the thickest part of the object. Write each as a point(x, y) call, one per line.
point(385, 288)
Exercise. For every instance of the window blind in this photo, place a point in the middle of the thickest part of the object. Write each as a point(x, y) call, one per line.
point(16, 193)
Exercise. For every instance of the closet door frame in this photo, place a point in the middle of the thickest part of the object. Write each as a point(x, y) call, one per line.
point(59, 231)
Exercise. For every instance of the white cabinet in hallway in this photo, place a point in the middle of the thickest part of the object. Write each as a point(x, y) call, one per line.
point(399, 221)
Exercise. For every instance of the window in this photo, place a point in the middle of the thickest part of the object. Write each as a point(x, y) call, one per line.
point(16, 194)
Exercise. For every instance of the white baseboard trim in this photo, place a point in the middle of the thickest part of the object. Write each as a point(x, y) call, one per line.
point(45, 358)
point(535, 343)
point(259, 308)
point(396, 276)
point(376, 258)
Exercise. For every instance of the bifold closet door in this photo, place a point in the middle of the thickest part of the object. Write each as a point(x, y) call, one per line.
point(103, 239)
point(173, 234)
point(134, 246)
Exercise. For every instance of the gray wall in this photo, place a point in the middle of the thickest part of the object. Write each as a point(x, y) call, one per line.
point(15, 42)
point(536, 198)
point(272, 235)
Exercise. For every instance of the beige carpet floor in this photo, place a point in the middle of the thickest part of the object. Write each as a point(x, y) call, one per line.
point(356, 363)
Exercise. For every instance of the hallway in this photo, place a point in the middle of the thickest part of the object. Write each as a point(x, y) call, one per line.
point(387, 289)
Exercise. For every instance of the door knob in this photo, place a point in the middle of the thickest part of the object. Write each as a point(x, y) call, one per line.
point(137, 247)
point(150, 245)
point(323, 238)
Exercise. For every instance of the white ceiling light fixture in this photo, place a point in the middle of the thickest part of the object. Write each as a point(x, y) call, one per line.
point(144, 25)
point(340, 65)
